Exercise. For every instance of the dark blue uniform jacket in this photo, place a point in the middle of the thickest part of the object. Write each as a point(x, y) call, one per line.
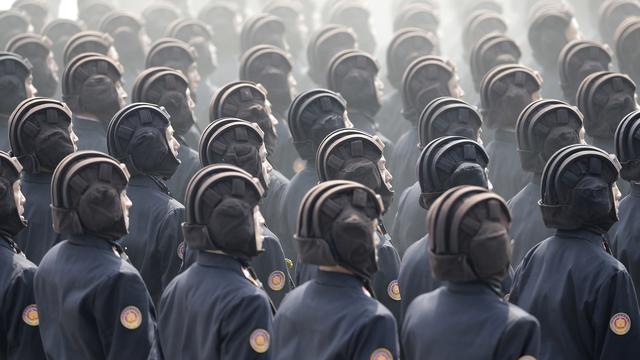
point(92, 303)
point(410, 223)
point(92, 134)
point(20, 338)
point(189, 165)
point(626, 241)
point(468, 321)
point(214, 311)
point(505, 170)
point(582, 296)
point(155, 233)
point(332, 317)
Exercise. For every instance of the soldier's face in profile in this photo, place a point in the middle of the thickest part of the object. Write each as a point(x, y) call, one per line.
point(122, 94)
point(73, 137)
point(126, 205)
point(174, 145)
point(19, 198)
point(267, 168)
point(258, 223)
point(30, 89)
point(385, 174)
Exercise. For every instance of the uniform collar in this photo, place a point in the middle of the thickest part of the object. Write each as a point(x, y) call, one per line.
point(473, 287)
point(5, 242)
point(87, 123)
point(332, 278)
point(221, 261)
point(635, 189)
point(38, 178)
point(149, 182)
point(582, 235)
point(91, 241)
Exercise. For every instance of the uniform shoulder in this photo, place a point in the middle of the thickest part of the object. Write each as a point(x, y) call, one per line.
point(517, 314)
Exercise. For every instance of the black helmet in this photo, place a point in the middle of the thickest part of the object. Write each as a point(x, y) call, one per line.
point(197, 34)
point(420, 16)
point(612, 14)
point(480, 24)
point(469, 229)
point(335, 226)
point(219, 206)
point(351, 154)
point(12, 23)
point(576, 191)
point(263, 29)
point(87, 42)
point(37, 49)
point(544, 127)
point(11, 222)
point(89, 85)
point(427, 78)
point(579, 59)
point(137, 137)
point(172, 53)
point(356, 16)
point(406, 46)
point(447, 162)
point(505, 91)
point(235, 142)
point(447, 116)
point(354, 75)
point(271, 67)
point(36, 10)
point(157, 18)
point(39, 134)
point(127, 33)
point(14, 72)
point(91, 12)
point(627, 146)
point(491, 51)
point(547, 32)
point(86, 196)
point(605, 98)
point(166, 87)
point(313, 115)
point(59, 31)
point(324, 44)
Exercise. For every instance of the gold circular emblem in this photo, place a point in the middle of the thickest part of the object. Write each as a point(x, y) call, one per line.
point(393, 289)
point(30, 315)
point(277, 280)
point(620, 324)
point(381, 354)
point(131, 317)
point(259, 340)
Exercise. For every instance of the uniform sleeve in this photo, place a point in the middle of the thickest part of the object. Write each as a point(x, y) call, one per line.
point(616, 319)
point(272, 270)
point(125, 317)
point(520, 339)
point(21, 336)
point(377, 339)
point(385, 280)
point(247, 329)
point(166, 255)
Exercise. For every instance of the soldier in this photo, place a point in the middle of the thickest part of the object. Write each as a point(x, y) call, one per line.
point(157, 18)
point(92, 88)
point(323, 45)
point(422, 16)
point(37, 49)
point(582, 296)
point(20, 332)
point(612, 14)
point(141, 136)
point(90, 12)
point(223, 225)
point(470, 250)
point(16, 84)
point(129, 39)
point(263, 29)
point(59, 31)
point(89, 42)
point(271, 67)
point(312, 116)
point(605, 98)
point(92, 303)
point(406, 46)
point(41, 135)
point(626, 51)
point(543, 127)
point(240, 143)
point(446, 162)
point(505, 92)
point(354, 75)
point(224, 18)
point(356, 16)
point(12, 23)
point(296, 28)
point(491, 51)
point(426, 79)
point(37, 11)
point(578, 60)
point(624, 240)
point(336, 231)
point(178, 55)
point(350, 154)
point(444, 116)
point(552, 27)
point(479, 24)
point(169, 88)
